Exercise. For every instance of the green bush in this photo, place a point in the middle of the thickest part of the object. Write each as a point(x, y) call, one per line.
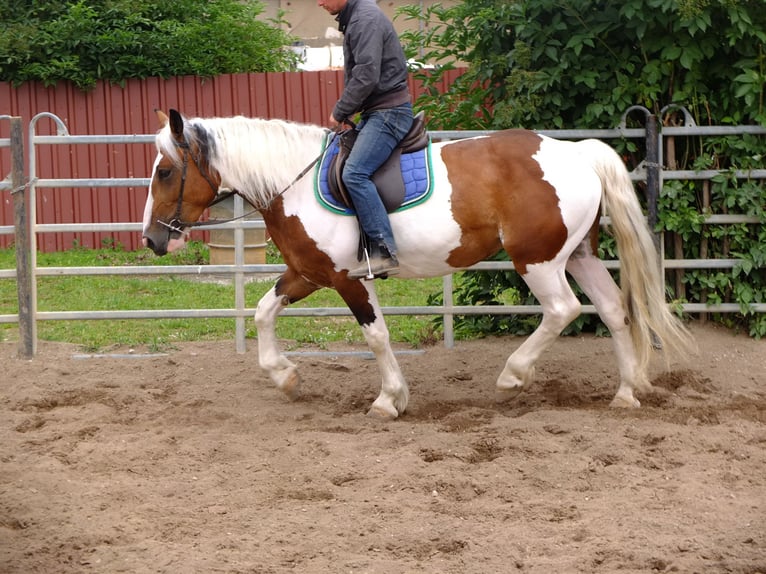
point(545, 64)
point(114, 40)
point(552, 64)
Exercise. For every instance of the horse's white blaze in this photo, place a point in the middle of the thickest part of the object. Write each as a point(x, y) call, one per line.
point(147, 216)
point(174, 244)
point(149, 201)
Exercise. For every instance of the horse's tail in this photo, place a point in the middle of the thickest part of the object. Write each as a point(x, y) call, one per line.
point(641, 281)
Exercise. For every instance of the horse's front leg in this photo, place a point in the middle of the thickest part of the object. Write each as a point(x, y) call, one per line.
point(394, 395)
point(289, 288)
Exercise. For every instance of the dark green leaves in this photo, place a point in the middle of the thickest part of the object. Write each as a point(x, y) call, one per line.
point(115, 40)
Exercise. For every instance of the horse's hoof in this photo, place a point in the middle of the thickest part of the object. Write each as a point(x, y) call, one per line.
point(291, 387)
point(644, 386)
point(625, 402)
point(511, 382)
point(381, 414)
point(505, 394)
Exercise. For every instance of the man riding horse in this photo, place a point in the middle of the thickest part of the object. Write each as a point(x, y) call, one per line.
point(376, 86)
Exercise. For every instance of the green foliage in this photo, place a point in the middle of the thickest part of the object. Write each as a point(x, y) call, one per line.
point(114, 40)
point(745, 284)
point(683, 207)
point(446, 36)
point(546, 64)
point(554, 64)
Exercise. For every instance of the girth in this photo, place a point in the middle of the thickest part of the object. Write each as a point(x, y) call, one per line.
point(388, 177)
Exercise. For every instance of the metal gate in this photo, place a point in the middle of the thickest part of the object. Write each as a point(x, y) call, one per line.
point(26, 230)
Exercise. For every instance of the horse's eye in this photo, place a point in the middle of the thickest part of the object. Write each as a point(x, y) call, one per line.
point(163, 173)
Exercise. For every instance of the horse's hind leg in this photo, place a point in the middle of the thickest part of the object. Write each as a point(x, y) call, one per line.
point(289, 288)
point(548, 283)
point(595, 280)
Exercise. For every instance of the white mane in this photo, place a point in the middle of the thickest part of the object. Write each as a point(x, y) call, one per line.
point(259, 158)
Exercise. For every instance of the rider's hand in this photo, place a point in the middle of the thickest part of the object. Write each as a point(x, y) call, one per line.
point(337, 126)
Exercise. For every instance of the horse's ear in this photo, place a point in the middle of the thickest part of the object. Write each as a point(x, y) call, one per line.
point(177, 125)
point(161, 117)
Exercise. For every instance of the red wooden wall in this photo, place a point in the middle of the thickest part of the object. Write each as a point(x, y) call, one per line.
point(305, 97)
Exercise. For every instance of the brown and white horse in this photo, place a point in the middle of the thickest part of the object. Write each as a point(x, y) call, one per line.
point(536, 197)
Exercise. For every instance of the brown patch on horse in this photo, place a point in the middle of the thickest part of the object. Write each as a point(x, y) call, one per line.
point(309, 268)
point(293, 286)
point(516, 205)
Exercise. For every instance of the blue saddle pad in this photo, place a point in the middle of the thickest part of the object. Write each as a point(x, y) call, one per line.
point(416, 173)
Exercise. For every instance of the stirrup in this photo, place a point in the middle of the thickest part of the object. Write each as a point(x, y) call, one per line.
point(376, 266)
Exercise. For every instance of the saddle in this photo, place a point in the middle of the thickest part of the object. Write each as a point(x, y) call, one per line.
point(388, 178)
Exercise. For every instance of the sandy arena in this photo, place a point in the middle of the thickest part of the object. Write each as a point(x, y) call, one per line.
point(194, 463)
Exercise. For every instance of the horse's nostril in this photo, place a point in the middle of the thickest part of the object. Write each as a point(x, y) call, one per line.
point(158, 250)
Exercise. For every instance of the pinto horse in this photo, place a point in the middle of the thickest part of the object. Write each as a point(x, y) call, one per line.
point(536, 197)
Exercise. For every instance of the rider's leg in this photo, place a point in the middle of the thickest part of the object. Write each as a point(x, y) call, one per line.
point(379, 134)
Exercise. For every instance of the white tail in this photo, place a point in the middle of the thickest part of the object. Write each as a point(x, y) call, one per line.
point(640, 279)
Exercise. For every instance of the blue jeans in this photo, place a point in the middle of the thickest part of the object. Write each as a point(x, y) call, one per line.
point(380, 132)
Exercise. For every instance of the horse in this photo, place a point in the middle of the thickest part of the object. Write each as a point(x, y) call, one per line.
point(538, 198)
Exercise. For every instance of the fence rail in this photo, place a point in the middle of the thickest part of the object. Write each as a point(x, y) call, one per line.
point(27, 270)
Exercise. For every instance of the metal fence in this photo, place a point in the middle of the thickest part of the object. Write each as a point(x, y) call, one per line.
point(27, 229)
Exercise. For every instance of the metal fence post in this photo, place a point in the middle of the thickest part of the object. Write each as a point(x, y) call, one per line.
point(653, 173)
point(239, 276)
point(448, 317)
point(24, 269)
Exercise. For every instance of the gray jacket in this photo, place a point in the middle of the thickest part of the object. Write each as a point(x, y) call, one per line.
point(375, 67)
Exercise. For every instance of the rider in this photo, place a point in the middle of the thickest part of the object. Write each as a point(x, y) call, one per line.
point(375, 73)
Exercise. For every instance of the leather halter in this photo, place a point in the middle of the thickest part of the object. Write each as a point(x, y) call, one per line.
point(176, 223)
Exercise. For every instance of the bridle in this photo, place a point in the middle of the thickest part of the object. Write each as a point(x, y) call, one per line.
point(176, 224)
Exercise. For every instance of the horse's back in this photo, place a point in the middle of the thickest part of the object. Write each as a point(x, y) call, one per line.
point(514, 190)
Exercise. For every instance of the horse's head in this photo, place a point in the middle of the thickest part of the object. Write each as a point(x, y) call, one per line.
point(182, 185)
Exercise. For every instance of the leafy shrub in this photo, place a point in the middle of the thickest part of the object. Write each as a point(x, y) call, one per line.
point(551, 64)
point(545, 64)
point(114, 40)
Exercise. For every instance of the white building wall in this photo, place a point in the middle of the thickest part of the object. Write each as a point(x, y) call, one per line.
point(315, 27)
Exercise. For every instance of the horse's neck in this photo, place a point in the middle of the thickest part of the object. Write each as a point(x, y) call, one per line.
point(262, 158)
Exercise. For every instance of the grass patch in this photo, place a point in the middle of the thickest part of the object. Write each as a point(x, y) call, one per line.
point(98, 293)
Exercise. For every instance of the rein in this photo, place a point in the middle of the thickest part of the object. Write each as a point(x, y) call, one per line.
point(178, 225)
point(298, 177)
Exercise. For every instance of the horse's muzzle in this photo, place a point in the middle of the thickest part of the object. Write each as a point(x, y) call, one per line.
point(159, 248)
point(161, 241)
